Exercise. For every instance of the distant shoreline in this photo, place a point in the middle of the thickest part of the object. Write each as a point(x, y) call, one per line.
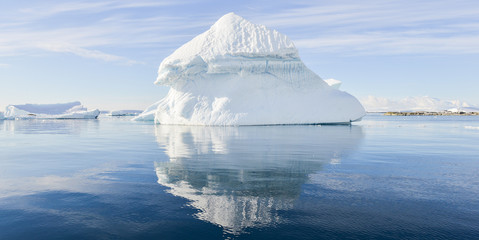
point(424, 113)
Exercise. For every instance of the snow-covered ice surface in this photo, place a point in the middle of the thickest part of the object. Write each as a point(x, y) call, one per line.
point(72, 110)
point(333, 83)
point(240, 73)
point(409, 104)
point(148, 114)
point(464, 109)
point(125, 113)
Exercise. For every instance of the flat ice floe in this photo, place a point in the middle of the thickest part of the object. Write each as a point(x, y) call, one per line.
point(124, 113)
point(72, 110)
point(240, 73)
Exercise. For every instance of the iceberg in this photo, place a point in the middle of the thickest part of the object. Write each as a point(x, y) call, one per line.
point(412, 104)
point(148, 114)
point(240, 73)
point(72, 110)
point(2, 116)
point(464, 109)
point(124, 113)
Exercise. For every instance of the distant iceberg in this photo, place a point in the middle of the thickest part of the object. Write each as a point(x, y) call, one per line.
point(411, 104)
point(72, 110)
point(124, 113)
point(240, 73)
point(2, 116)
point(464, 109)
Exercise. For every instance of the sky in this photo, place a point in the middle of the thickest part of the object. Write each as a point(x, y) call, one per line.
point(106, 53)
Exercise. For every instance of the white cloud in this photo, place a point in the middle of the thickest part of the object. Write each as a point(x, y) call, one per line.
point(374, 14)
point(103, 38)
point(87, 53)
point(382, 27)
point(392, 43)
point(101, 30)
point(45, 11)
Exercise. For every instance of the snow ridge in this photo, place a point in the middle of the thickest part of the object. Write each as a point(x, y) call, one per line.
point(232, 35)
point(235, 45)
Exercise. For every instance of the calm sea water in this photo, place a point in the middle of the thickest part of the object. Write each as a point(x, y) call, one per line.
point(383, 178)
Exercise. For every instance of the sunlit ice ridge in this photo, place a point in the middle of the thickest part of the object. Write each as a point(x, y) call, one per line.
point(240, 73)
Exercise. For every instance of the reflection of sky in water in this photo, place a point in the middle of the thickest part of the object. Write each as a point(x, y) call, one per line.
point(240, 177)
point(98, 179)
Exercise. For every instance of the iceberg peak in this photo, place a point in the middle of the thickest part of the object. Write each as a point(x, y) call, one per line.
point(230, 38)
point(238, 36)
point(229, 19)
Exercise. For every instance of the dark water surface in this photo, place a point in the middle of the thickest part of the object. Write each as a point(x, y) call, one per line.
point(383, 178)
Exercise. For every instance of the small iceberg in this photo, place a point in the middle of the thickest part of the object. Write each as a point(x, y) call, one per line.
point(71, 110)
point(121, 113)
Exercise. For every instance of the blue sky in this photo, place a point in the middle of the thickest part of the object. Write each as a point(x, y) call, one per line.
point(106, 53)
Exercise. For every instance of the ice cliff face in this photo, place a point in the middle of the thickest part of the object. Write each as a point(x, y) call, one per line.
point(240, 73)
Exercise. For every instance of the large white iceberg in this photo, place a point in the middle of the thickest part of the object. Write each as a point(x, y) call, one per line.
point(240, 73)
point(72, 110)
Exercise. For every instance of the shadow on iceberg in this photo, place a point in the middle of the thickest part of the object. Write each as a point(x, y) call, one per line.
point(242, 177)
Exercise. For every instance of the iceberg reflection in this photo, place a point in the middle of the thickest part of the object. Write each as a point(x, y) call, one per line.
point(241, 177)
point(49, 126)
